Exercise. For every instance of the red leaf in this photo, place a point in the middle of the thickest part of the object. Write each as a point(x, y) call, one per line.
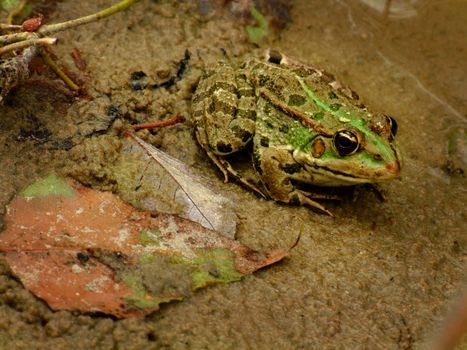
point(86, 250)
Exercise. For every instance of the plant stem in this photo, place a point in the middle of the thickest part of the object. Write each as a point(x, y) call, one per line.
point(171, 121)
point(11, 38)
point(51, 63)
point(4, 26)
point(53, 28)
point(26, 43)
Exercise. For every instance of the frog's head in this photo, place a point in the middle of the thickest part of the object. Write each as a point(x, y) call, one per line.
point(353, 151)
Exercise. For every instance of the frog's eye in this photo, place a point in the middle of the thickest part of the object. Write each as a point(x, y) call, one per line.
point(346, 142)
point(393, 125)
point(274, 56)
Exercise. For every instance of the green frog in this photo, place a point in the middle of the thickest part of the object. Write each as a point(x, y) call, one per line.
point(305, 127)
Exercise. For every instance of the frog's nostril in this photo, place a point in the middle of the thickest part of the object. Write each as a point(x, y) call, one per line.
point(377, 157)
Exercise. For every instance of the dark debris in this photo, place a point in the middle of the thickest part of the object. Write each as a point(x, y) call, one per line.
point(182, 67)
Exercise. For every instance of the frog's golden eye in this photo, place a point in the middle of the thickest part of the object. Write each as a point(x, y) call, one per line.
point(393, 125)
point(346, 142)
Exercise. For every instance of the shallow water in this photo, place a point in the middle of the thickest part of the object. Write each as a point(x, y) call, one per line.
point(377, 275)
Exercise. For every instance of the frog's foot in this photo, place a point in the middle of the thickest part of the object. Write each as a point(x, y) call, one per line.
point(304, 199)
point(235, 174)
point(221, 164)
point(375, 188)
point(227, 170)
point(378, 191)
point(334, 197)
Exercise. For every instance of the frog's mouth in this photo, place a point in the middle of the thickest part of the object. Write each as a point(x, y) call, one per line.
point(331, 174)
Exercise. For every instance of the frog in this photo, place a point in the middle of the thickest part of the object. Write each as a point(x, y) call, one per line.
point(304, 127)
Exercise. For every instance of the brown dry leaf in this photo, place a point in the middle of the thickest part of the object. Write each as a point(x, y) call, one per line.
point(192, 191)
point(86, 250)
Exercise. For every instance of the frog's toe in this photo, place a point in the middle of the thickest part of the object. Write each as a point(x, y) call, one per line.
point(228, 170)
point(222, 164)
point(305, 200)
point(316, 205)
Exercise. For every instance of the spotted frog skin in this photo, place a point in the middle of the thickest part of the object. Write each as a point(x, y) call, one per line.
point(306, 128)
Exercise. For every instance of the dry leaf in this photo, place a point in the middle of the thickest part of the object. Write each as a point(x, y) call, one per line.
point(194, 192)
point(15, 70)
point(86, 250)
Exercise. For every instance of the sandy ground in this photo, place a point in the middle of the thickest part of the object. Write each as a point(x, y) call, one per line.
point(379, 275)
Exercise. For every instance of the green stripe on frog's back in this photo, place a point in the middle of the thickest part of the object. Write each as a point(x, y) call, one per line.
point(356, 122)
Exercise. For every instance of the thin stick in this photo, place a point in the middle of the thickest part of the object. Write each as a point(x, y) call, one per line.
point(51, 63)
point(53, 28)
point(171, 121)
point(26, 43)
point(4, 26)
point(14, 37)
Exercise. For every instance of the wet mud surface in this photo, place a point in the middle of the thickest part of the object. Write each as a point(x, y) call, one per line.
point(377, 275)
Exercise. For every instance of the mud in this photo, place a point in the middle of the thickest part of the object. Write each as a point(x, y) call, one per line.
point(379, 275)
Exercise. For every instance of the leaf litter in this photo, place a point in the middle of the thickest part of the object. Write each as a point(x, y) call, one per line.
point(195, 194)
point(86, 250)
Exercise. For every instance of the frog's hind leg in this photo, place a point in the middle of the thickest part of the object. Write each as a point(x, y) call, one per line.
point(224, 111)
point(224, 107)
point(226, 168)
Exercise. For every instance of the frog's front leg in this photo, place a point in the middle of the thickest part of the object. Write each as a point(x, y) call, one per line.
point(277, 168)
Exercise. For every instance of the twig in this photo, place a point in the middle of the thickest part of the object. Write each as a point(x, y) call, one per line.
point(5, 26)
point(14, 37)
point(51, 63)
point(53, 28)
point(57, 27)
point(26, 43)
point(171, 121)
point(14, 70)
